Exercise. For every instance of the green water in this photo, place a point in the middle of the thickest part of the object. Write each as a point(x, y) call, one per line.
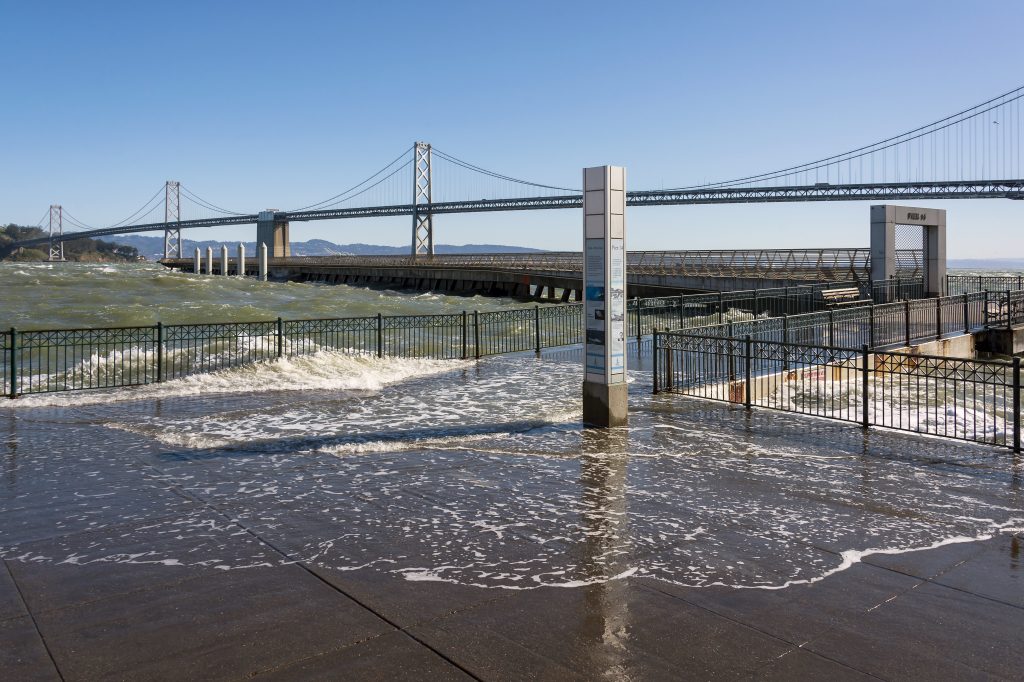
point(71, 295)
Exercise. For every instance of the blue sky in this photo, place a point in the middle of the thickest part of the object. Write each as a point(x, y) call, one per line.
point(258, 104)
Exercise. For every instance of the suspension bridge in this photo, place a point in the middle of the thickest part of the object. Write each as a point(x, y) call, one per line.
point(972, 154)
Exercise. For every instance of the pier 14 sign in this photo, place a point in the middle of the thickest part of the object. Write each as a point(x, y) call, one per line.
point(604, 274)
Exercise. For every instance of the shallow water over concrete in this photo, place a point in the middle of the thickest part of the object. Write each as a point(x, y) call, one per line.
point(480, 474)
point(387, 518)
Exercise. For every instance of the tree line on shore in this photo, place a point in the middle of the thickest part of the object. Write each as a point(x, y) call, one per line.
point(80, 250)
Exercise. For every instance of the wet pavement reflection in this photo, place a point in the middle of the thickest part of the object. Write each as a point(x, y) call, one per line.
point(466, 488)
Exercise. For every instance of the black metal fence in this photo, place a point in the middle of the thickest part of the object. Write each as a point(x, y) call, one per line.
point(972, 400)
point(64, 360)
point(883, 325)
point(970, 284)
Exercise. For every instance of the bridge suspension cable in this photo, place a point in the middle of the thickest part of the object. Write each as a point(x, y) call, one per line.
point(983, 141)
point(199, 201)
point(352, 192)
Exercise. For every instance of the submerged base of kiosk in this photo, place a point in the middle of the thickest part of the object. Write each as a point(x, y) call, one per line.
point(605, 405)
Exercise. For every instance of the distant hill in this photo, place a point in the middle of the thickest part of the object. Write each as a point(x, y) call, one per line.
point(153, 247)
point(986, 263)
point(79, 250)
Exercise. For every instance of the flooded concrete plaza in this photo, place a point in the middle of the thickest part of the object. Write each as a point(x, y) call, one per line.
point(433, 520)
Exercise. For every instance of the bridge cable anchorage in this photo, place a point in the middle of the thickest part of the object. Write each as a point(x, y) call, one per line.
point(992, 129)
point(422, 196)
point(172, 219)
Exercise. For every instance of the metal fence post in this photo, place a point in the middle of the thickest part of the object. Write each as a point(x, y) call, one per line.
point(536, 328)
point(746, 354)
point(864, 386)
point(785, 342)
point(465, 335)
point(1009, 320)
point(280, 337)
point(906, 321)
point(639, 332)
point(682, 316)
point(654, 346)
point(380, 335)
point(731, 325)
point(721, 307)
point(985, 310)
point(476, 333)
point(967, 315)
point(938, 318)
point(159, 352)
point(871, 325)
point(14, 363)
point(1016, 404)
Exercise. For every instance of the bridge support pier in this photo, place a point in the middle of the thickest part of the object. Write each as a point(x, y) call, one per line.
point(274, 233)
point(884, 219)
point(224, 259)
point(605, 392)
point(241, 260)
point(263, 262)
point(197, 262)
point(209, 260)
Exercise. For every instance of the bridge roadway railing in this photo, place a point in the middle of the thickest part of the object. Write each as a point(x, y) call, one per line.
point(819, 265)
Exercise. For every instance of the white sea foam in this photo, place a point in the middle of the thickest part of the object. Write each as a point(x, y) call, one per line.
point(323, 370)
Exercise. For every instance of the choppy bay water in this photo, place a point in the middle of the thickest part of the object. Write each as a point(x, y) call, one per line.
point(74, 295)
point(474, 473)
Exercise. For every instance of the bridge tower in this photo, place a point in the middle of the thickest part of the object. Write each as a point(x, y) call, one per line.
point(56, 230)
point(422, 198)
point(172, 216)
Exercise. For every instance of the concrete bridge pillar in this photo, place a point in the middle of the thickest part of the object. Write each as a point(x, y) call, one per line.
point(224, 259)
point(209, 260)
point(241, 260)
point(885, 218)
point(198, 262)
point(274, 233)
point(263, 262)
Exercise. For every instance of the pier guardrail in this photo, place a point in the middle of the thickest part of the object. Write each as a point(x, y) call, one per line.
point(811, 265)
point(39, 361)
point(972, 284)
point(972, 400)
point(882, 325)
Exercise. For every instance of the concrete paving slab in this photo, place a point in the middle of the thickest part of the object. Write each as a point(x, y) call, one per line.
point(613, 630)
point(225, 626)
point(23, 656)
point(993, 569)
point(928, 633)
point(85, 567)
point(798, 613)
point(407, 603)
point(61, 514)
point(391, 656)
point(804, 665)
point(11, 604)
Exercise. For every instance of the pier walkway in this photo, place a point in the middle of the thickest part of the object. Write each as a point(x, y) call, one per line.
point(650, 273)
point(136, 558)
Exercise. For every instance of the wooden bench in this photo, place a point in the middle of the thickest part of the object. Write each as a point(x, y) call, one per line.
point(845, 296)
